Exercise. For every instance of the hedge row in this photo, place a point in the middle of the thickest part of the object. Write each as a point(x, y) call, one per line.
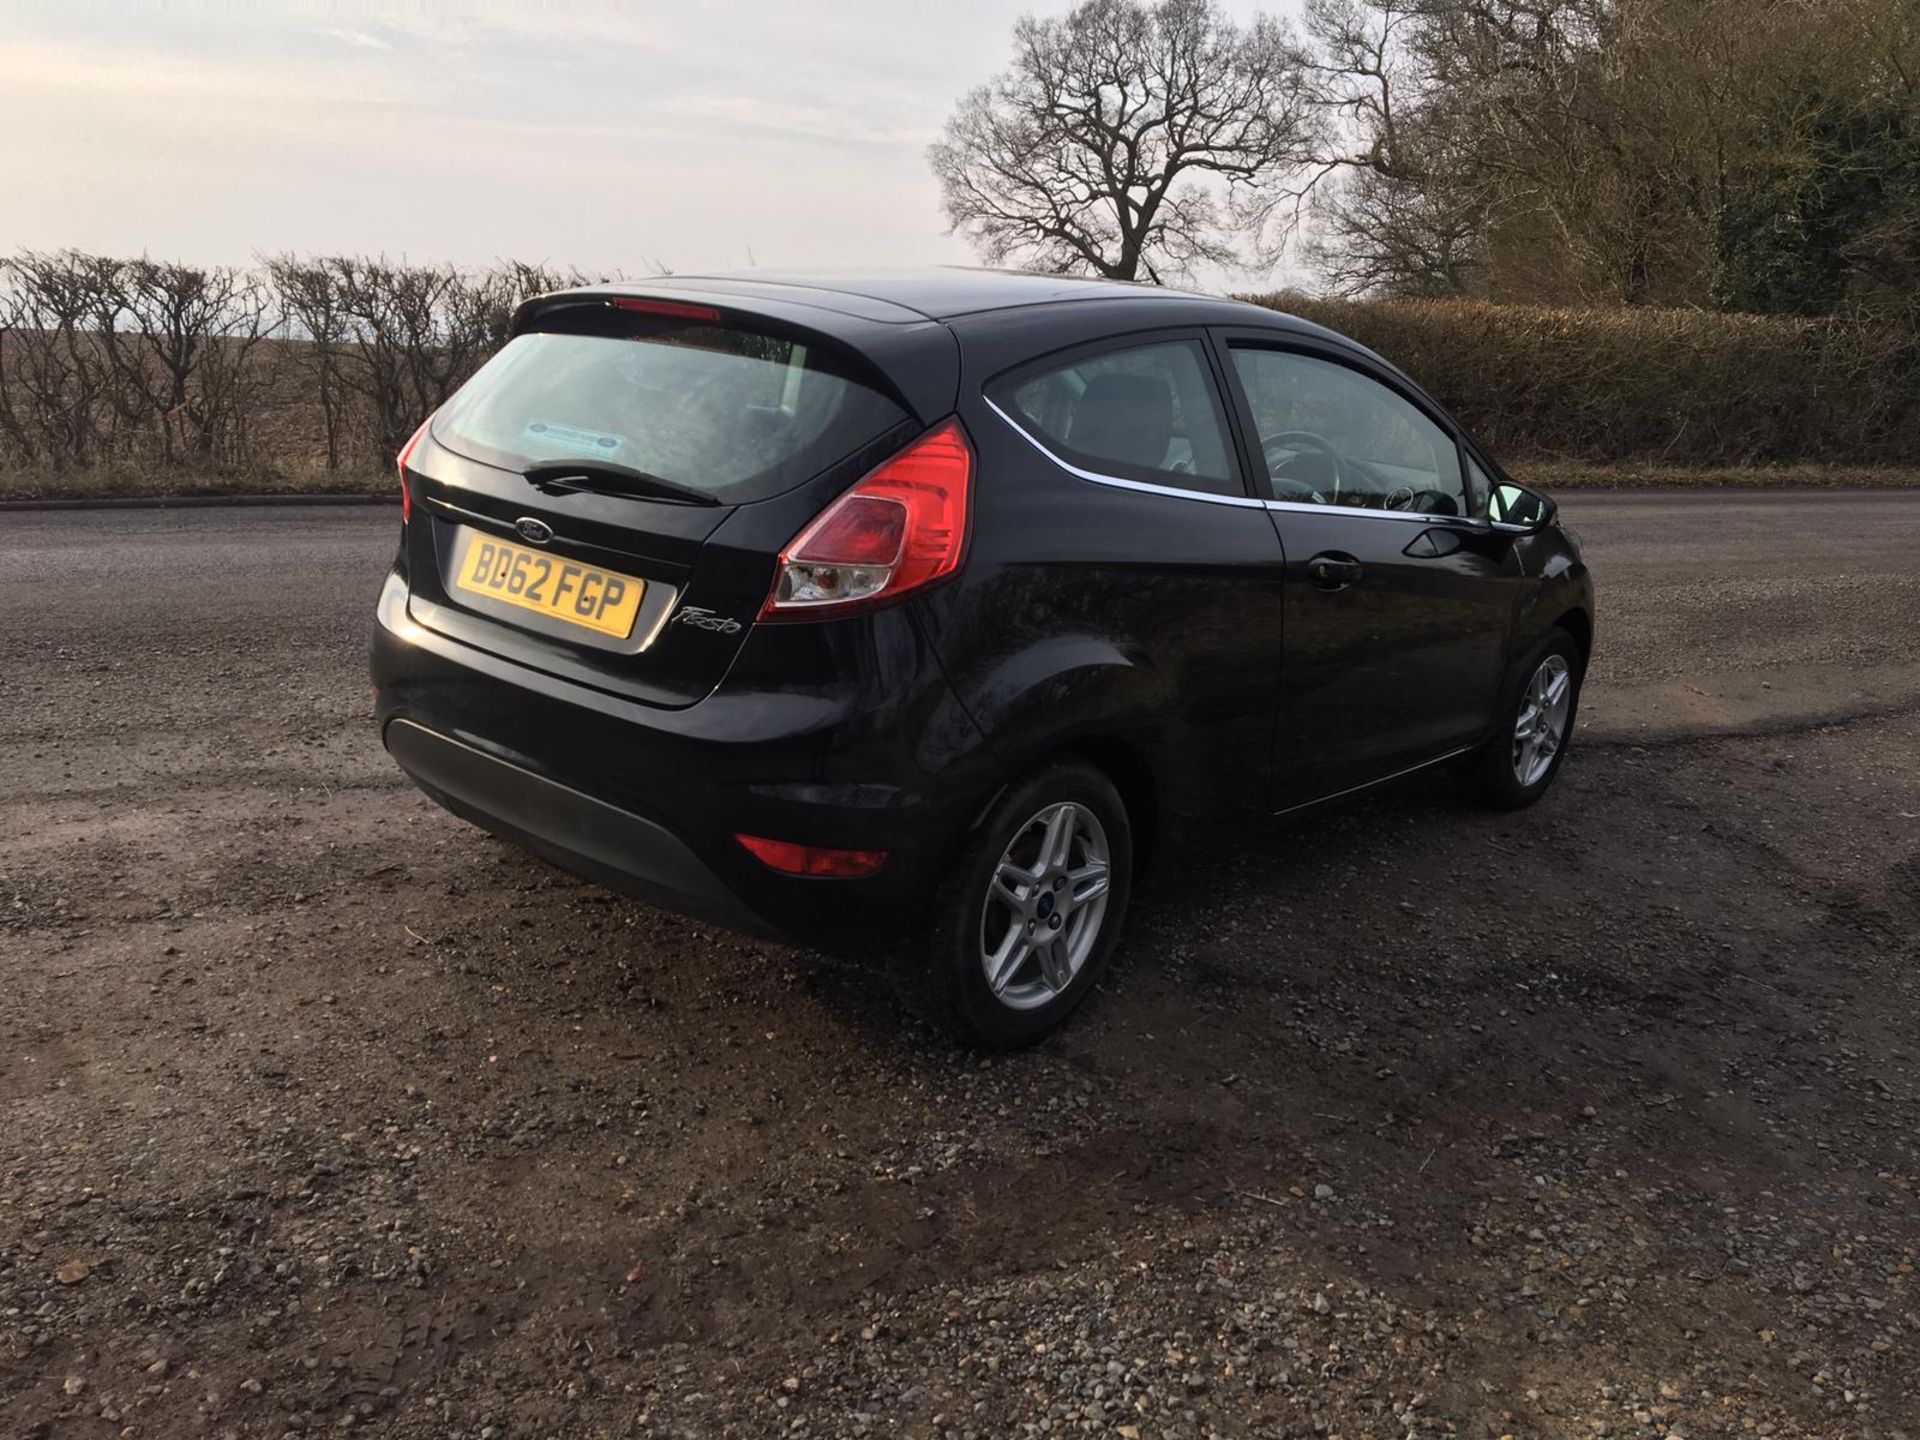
point(1666, 387)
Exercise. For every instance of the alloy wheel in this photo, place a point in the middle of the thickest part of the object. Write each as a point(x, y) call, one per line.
point(1045, 905)
point(1541, 727)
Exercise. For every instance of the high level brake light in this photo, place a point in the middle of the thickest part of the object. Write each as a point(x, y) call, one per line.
point(901, 529)
point(674, 309)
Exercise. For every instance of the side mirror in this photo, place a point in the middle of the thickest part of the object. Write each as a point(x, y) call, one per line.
point(1519, 510)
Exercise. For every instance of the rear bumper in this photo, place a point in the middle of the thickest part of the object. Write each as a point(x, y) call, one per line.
point(647, 801)
point(566, 827)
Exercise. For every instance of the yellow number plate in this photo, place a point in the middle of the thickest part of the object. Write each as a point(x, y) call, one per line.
point(560, 589)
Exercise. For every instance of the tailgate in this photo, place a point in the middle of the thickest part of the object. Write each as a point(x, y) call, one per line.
point(566, 499)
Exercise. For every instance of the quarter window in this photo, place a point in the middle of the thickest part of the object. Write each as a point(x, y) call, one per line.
point(1479, 488)
point(1333, 436)
point(1147, 413)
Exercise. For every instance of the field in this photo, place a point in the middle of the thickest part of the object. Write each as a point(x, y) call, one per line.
point(329, 1114)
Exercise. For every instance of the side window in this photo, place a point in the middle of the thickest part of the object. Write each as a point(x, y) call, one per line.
point(1333, 436)
point(1145, 413)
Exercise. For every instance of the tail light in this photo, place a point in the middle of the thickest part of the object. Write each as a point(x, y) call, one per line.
point(817, 861)
point(901, 529)
point(406, 454)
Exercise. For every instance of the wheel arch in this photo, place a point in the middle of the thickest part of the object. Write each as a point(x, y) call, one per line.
point(1133, 775)
point(1579, 624)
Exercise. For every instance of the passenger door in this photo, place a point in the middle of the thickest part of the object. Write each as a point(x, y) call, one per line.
point(1134, 582)
point(1398, 602)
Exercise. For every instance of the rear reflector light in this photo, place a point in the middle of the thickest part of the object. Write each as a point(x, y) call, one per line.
point(901, 529)
point(672, 308)
point(406, 454)
point(812, 860)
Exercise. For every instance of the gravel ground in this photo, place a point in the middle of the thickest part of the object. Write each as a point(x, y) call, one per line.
point(326, 1113)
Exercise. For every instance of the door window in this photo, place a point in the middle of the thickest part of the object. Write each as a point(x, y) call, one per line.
point(1333, 436)
point(1148, 412)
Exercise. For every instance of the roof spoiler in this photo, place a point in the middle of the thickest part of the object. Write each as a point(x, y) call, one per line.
point(916, 357)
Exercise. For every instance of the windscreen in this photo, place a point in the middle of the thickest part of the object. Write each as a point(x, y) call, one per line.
point(735, 413)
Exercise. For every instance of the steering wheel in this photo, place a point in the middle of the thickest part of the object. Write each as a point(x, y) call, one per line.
point(1297, 440)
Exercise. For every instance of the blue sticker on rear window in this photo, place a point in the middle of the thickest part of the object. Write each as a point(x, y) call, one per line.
point(570, 440)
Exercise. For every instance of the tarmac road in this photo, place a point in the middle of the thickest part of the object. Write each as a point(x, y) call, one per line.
point(1730, 611)
point(1719, 611)
point(325, 1112)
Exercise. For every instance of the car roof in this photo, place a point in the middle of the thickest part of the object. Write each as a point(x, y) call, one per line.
point(941, 292)
point(934, 292)
point(861, 306)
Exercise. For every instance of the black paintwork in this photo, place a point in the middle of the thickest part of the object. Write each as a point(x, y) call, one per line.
point(1184, 644)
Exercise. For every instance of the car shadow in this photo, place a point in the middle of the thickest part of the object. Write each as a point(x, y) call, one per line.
point(1523, 1059)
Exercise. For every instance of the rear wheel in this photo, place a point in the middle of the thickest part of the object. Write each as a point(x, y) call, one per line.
point(1031, 912)
point(1518, 763)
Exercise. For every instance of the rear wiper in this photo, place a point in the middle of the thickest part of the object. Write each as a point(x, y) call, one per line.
point(603, 477)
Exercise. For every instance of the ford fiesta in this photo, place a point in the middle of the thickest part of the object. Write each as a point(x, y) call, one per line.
point(865, 610)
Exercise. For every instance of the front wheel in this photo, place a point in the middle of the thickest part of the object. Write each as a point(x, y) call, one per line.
point(1520, 759)
point(1031, 912)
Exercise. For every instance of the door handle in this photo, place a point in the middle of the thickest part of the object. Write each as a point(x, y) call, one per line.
point(1331, 570)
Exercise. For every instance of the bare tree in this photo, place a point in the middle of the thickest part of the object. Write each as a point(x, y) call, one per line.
point(180, 340)
point(235, 368)
point(62, 383)
point(1127, 140)
point(1402, 206)
point(410, 338)
point(309, 300)
point(1745, 152)
point(17, 436)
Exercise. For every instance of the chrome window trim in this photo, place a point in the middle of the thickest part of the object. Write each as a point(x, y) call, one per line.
point(1246, 502)
point(1419, 517)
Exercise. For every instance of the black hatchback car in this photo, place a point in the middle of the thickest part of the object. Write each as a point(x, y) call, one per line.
point(911, 607)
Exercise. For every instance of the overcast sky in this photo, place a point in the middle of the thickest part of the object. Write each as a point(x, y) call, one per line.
point(694, 135)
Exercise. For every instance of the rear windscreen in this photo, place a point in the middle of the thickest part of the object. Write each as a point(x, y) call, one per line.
point(735, 413)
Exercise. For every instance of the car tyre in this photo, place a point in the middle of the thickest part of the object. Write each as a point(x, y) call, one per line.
point(1030, 912)
point(1539, 707)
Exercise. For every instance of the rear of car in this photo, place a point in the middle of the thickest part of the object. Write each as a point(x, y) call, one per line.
point(651, 612)
point(910, 606)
